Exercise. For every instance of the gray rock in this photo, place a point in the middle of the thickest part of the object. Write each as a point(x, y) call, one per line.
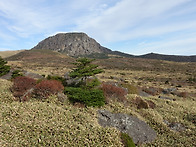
point(166, 98)
point(169, 90)
point(69, 81)
point(7, 76)
point(32, 75)
point(143, 94)
point(138, 130)
point(61, 97)
point(74, 44)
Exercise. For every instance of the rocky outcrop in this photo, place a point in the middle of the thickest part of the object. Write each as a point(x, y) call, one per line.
point(73, 44)
point(138, 130)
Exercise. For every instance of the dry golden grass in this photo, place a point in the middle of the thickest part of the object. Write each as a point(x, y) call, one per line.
point(64, 124)
point(5, 54)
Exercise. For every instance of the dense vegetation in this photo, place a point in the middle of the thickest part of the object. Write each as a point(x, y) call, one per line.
point(86, 91)
point(4, 69)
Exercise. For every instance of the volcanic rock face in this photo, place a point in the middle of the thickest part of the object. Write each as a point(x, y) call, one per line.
point(138, 130)
point(73, 44)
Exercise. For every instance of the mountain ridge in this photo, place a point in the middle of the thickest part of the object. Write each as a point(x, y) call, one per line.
point(77, 44)
point(73, 44)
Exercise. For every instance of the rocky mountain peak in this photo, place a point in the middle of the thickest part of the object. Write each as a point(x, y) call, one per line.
point(73, 44)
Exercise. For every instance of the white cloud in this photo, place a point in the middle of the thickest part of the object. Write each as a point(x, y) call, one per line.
point(107, 21)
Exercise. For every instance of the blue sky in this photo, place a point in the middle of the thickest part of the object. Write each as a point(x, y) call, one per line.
point(131, 26)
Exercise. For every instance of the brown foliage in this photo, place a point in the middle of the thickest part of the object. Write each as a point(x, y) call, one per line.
point(183, 94)
point(152, 90)
point(113, 91)
point(47, 87)
point(145, 104)
point(140, 103)
point(21, 86)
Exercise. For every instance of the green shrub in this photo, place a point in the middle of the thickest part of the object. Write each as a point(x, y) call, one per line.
point(16, 73)
point(126, 140)
point(84, 69)
point(89, 97)
point(57, 78)
point(4, 69)
point(92, 83)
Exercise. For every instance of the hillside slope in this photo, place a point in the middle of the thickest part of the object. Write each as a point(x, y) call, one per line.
point(5, 54)
point(169, 57)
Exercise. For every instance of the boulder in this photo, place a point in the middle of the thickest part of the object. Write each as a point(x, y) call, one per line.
point(178, 127)
point(138, 130)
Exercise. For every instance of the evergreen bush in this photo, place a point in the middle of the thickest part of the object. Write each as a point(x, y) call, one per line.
point(89, 97)
point(16, 73)
point(86, 92)
point(4, 69)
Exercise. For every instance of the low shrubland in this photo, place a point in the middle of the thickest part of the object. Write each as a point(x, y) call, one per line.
point(113, 92)
point(46, 88)
point(44, 123)
point(21, 85)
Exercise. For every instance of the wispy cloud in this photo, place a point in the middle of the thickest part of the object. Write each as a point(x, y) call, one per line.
point(111, 22)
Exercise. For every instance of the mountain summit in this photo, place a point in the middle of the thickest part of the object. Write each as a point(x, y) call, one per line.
point(73, 44)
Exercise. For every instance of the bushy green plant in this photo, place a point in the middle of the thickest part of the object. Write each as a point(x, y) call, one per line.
point(4, 69)
point(57, 78)
point(84, 69)
point(89, 97)
point(126, 140)
point(16, 73)
point(92, 83)
point(86, 92)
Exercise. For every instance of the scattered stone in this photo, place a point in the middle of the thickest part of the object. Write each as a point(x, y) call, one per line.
point(169, 91)
point(69, 81)
point(25, 73)
point(152, 91)
point(61, 97)
point(166, 98)
point(7, 76)
point(143, 94)
point(138, 130)
point(32, 75)
point(178, 127)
